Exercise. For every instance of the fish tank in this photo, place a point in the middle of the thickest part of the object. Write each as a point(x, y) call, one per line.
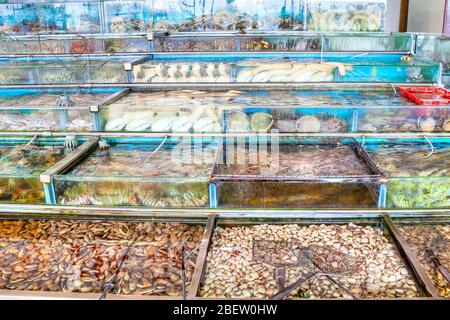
point(284, 41)
point(324, 110)
point(49, 110)
point(289, 173)
point(165, 172)
point(127, 16)
point(346, 15)
point(22, 161)
point(429, 241)
point(351, 110)
point(53, 17)
point(417, 171)
point(435, 47)
point(73, 44)
point(277, 67)
point(211, 15)
point(166, 111)
point(62, 70)
point(74, 252)
point(305, 259)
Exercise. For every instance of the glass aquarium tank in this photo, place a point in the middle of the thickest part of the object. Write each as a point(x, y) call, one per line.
point(49, 110)
point(358, 109)
point(22, 161)
point(429, 239)
point(165, 172)
point(417, 170)
point(53, 17)
point(282, 172)
point(127, 16)
point(98, 257)
point(277, 67)
point(435, 47)
point(346, 15)
point(210, 15)
point(63, 70)
point(336, 259)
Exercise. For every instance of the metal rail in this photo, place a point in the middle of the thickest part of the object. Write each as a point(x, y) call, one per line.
point(200, 264)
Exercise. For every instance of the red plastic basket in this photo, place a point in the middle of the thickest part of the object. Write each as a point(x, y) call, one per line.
point(426, 95)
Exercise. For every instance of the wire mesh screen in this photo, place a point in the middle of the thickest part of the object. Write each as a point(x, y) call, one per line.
point(297, 194)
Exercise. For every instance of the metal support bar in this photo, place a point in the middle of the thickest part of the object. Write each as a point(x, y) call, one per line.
point(213, 201)
point(69, 160)
point(200, 265)
point(423, 279)
point(382, 196)
point(50, 195)
point(320, 86)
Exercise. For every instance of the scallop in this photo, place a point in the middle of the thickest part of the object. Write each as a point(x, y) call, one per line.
point(308, 124)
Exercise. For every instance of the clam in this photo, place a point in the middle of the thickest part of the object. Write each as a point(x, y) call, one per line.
point(427, 125)
point(308, 124)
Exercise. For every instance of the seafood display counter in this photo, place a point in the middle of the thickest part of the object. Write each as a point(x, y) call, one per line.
point(229, 172)
point(97, 258)
point(284, 41)
point(417, 170)
point(50, 110)
point(296, 173)
point(206, 41)
point(215, 257)
point(22, 160)
point(317, 110)
point(74, 44)
point(63, 70)
point(280, 67)
point(159, 172)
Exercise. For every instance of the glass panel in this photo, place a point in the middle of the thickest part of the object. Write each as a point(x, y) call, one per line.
point(162, 174)
point(179, 15)
point(436, 47)
point(418, 172)
point(50, 17)
point(31, 110)
point(404, 119)
point(127, 16)
point(62, 70)
point(21, 162)
point(296, 173)
point(359, 259)
point(336, 15)
point(291, 68)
